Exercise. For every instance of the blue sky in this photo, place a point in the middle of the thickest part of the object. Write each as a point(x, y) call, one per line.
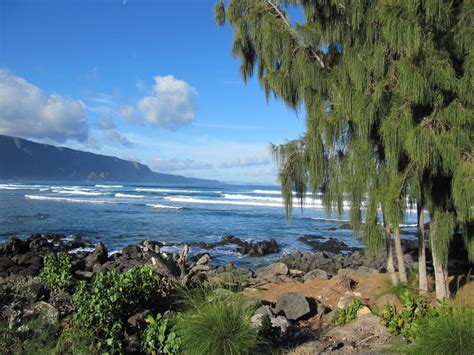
point(153, 81)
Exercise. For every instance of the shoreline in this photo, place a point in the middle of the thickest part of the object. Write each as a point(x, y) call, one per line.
point(24, 256)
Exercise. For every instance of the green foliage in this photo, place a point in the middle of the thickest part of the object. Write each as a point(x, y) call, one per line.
point(452, 332)
point(105, 303)
point(349, 313)
point(410, 319)
point(218, 324)
point(56, 274)
point(159, 338)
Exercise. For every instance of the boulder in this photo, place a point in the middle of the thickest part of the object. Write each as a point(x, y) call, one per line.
point(316, 274)
point(5, 263)
point(272, 271)
point(98, 256)
point(131, 252)
point(293, 305)
point(346, 299)
point(43, 310)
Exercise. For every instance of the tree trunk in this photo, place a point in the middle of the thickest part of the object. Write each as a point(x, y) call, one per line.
point(399, 252)
point(441, 271)
point(422, 277)
point(390, 265)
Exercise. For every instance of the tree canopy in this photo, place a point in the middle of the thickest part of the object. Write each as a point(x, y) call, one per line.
point(387, 87)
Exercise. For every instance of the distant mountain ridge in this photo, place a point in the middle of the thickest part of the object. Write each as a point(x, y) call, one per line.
point(27, 160)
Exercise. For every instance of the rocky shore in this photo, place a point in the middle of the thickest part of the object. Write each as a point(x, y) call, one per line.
point(287, 296)
point(24, 257)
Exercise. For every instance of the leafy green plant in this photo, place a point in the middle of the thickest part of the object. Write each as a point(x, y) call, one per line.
point(349, 313)
point(452, 332)
point(110, 298)
point(217, 324)
point(56, 274)
point(415, 311)
point(159, 338)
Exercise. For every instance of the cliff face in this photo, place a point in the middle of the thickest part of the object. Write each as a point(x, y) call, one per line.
point(24, 159)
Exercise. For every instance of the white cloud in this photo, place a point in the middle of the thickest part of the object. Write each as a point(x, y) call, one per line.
point(28, 112)
point(171, 104)
point(178, 164)
point(110, 133)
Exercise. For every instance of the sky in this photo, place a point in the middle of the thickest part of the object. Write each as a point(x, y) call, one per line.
point(152, 81)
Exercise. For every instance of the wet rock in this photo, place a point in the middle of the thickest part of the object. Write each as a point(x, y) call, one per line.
point(259, 248)
point(318, 243)
point(293, 305)
point(14, 246)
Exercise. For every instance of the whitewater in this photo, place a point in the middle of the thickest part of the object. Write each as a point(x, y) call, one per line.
point(121, 214)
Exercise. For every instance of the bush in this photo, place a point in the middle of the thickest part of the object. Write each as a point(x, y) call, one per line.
point(159, 338)
point(349, 313)
point(408, 321)
point(217, 324)
point(106, 303)
point(452, 332)
point(56, 274)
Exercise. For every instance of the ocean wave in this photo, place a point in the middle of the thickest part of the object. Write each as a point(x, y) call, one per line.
point(307, 200)
point(270, 192)
point(80, 192)
point(409, 225)
point(248, 197)
point(66, 199)
point(109, 186)
point(330, 219)
point(150, 189)
point(163, 206)
point(20, 187)
point(128, 196)
point(313, 204)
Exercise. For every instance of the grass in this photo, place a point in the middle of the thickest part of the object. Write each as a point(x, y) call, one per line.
point(450, 333)
point(216, 322)
point(397, 290)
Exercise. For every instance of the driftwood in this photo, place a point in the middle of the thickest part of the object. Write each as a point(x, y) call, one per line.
point(175, 267)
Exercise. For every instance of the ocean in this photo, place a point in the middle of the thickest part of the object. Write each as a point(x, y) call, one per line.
point(123, 214)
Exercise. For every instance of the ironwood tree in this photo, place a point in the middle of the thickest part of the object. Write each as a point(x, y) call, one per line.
point(387, 90)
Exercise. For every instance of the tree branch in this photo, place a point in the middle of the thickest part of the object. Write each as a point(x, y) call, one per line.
point(294, 33)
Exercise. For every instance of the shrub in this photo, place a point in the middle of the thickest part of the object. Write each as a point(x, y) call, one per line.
point(452, 332)
point(56, 274)
point(349, 313)
point(415, 311)
point(109, 299)
point(217, 324)
point(159, 338)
